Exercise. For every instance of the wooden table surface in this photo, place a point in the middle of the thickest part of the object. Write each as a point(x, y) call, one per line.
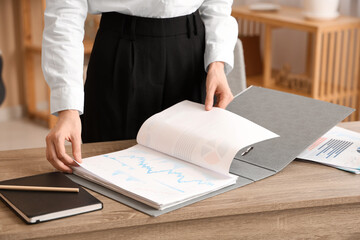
point(305, 200)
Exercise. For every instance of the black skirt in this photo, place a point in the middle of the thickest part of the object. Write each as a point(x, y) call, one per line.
point(138, 67)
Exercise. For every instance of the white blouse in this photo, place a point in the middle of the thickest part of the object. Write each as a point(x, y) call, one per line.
point(63, 50)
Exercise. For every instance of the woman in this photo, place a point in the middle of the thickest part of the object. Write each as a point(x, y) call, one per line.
point(147, 56)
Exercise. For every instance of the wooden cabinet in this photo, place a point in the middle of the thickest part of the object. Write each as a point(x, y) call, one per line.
point(333, 48)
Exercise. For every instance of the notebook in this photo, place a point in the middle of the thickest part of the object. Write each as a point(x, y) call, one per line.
point(36, 206)
point(182, 153)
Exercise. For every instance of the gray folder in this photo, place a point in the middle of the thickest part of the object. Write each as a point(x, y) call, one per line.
point(298, 120)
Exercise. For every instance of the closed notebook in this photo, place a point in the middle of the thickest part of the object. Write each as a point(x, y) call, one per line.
point(37, 206)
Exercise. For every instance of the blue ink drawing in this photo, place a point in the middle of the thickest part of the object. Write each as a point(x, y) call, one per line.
point(173, 188)
point(117, 172)
point(129, 177)
point(143, 163)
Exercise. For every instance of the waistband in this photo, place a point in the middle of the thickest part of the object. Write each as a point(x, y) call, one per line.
point(152, 27)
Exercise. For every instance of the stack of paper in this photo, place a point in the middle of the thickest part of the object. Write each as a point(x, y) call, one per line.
point(183, 152)
point(338, 148)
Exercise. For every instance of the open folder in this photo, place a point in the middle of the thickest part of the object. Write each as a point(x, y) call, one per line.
point(298, 120)
point(183, 152)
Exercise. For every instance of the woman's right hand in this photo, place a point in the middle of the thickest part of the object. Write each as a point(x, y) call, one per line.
point(67, 128)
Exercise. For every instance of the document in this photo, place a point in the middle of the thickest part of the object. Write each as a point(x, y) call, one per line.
point(182, 153)
point(339, 148)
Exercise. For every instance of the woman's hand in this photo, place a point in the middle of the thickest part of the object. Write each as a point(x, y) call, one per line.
point(67, 128)
point(216, 84)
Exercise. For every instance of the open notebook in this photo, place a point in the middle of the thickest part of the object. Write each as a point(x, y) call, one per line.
point(182, 153)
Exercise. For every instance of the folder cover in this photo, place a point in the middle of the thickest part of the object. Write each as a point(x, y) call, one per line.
point(298, 120)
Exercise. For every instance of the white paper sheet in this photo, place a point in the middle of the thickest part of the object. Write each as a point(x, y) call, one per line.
point(338, 147)
point(151, 177)
point(209, 139)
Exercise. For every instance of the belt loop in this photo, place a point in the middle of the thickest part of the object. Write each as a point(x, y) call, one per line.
point(133, 29)
point(163, 28)
point(195, 24)
point(122, 27)
point(188, 25)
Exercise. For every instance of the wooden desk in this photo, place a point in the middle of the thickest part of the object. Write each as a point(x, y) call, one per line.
point(333, 50)
point(305, 200)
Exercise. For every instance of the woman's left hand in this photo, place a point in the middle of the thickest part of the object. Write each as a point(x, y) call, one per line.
point(217, 85)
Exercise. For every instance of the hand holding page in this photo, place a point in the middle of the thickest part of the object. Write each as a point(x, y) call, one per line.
point(183, 152)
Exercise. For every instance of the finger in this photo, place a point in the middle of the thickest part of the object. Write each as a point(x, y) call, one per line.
point(209, 101)
point(76, 148)
point(48, 148)
point(224, 101)
point(59, 165)
point(47, 151)
point(61, 153)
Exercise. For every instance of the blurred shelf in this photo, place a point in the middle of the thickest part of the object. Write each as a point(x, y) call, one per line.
point(332, 54)
point(258, 81)
point(88, 45)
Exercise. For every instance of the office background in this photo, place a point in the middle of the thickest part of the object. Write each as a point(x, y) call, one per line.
point(17, 131)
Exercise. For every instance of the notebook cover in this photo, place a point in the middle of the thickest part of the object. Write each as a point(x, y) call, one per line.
point(37, 203)
point(298, 120)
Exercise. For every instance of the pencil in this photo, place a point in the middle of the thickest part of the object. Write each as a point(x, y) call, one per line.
point(37, 188)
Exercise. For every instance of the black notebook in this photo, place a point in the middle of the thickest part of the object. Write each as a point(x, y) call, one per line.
point(36, 206)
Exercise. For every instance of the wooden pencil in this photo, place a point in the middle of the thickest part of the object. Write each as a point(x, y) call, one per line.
point(38, 188)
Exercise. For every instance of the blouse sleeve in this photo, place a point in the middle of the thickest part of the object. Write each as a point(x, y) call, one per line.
point(63, 53)
point(221, 32)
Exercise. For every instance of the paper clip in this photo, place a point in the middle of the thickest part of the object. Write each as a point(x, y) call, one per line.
point(247, 151)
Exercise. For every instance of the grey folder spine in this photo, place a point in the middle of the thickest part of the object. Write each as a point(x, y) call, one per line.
point(298, 120)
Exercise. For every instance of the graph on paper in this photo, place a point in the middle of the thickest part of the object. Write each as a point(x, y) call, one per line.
point(333, 148)
point(338, 147)
point(158, 177)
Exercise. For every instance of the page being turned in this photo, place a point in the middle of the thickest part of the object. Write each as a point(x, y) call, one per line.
point(209, 139)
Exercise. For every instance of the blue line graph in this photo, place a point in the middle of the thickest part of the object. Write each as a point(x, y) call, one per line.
point(143, 163)
point(129, 177)
point(174, 188)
